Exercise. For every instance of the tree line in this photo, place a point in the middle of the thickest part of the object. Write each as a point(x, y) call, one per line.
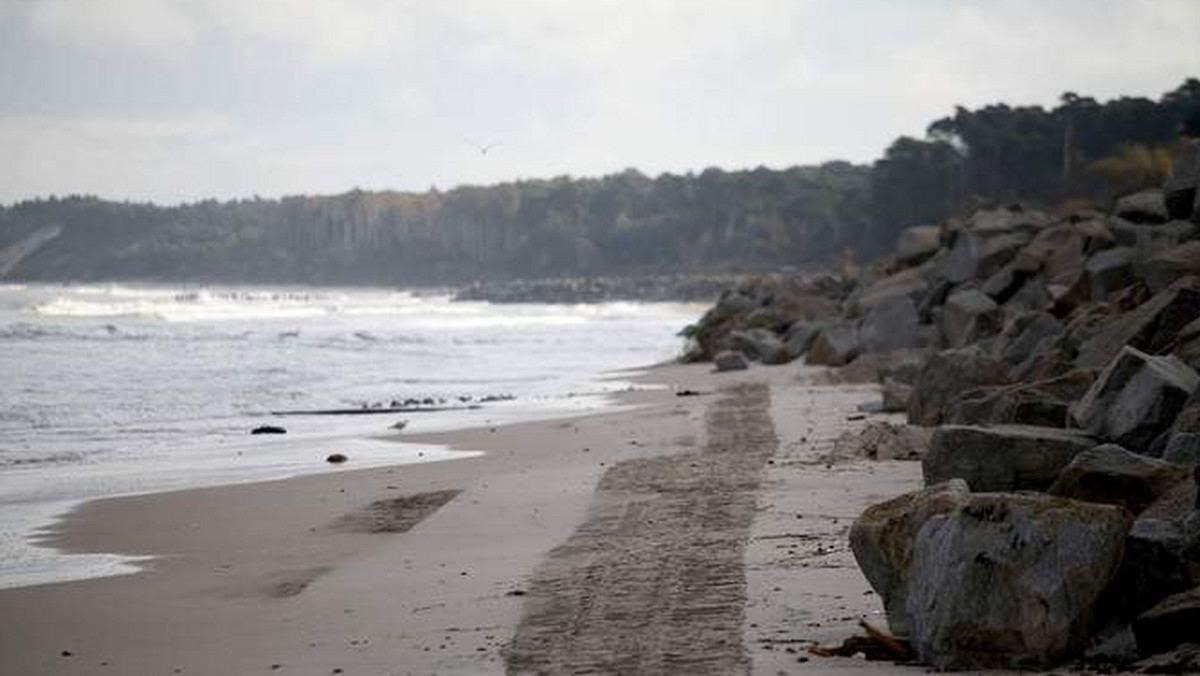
point(1079, 153)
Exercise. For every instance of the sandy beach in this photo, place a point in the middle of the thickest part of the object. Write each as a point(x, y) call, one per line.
point(695, 534)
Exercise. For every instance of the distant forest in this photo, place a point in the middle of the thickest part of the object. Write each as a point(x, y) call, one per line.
point(1081, 153)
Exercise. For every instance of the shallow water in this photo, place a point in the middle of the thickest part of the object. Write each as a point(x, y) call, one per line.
point(111, 389)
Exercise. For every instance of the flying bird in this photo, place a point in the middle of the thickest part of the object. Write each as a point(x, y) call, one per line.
point(484, 148)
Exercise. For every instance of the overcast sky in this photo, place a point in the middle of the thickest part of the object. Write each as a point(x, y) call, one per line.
point(174, 100)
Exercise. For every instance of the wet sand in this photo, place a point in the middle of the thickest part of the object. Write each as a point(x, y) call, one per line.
point(699, 534)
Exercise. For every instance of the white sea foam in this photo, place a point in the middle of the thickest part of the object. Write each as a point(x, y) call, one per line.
point(209, 305)
point(187, 306)
point(24, 563)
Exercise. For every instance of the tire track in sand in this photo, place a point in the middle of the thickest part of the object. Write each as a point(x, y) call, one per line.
point(653, 581)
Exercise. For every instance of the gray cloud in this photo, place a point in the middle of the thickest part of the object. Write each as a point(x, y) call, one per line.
point(183, 99)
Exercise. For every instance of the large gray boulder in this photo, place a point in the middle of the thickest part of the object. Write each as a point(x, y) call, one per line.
point(1182, 448)
point(891, 324)
point(903, 365)
point(945, 376)
point(1187, 344)
point(774, 319)
point(1115, 476)
point(760, 344)
point(1188, 419)
point(1008, 220)
point(1053, 251)
point(1069, 291)
point(1182, 189)
point(896, 375)
point(961, 263)
point(770, 349)
point(1044, 403)
point(883, 537)
point(1155, 566)
point(908, 283)
point(1033, 294)
point(1184, 659)
point(1096, 234)
point(1110, 270)
point(1002, 457)
point(988, 243)
point(1162, 552)
point(996, 252)
point(1002, 285)
point(1178, 504)
point(918, 243)
point(1135, 398)
point(1010, 581)
point(1026, 338)
point(730, 360)
point(1147, 239)
point(1181, 443)
point(896, 395)
point(738, 341)
point(1152, 327)
point(799, 337)
point(969, 316)
point(1146, 206)
point(1162, 268)
point(731, 303)
point(834, 346)
point(979, 252)
point(1174, 621)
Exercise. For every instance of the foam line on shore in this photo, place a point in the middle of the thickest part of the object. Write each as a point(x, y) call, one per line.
point(26, 562)
point(26, 559)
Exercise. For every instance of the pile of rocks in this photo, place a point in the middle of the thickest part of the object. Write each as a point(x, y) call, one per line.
point(1056, 359)
point(769, 319)
point(1060, 515)
point(599, 289)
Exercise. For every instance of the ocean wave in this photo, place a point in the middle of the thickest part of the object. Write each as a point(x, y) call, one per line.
point(30, 331)
point(176, 309)
point(108, 332)
point(201, 305)
point(498, 321)
point(63, 458)
point(182, 304)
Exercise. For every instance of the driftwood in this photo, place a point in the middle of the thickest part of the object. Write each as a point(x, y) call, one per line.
point(877, 645)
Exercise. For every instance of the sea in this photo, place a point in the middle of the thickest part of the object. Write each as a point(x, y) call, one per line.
point(114, 389)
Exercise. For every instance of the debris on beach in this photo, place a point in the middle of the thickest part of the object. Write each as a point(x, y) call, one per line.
point(465, 402)
point(876, 645)
point(268, 429)
point(336, 458)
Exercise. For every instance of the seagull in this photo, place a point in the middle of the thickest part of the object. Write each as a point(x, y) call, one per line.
point(486, 148)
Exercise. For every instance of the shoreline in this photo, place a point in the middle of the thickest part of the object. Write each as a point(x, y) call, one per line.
point(433, 568)
point(40, 521)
